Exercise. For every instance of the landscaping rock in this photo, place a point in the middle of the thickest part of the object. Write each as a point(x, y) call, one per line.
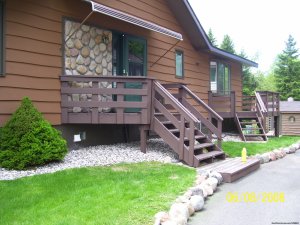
point(278, 154)
point(190, 208)
point(216, 175)
point(179, 212)
point(169, 222)
point(209, 190)
point(182, 199)
point(188, 194)
point(100, 155)
point(287, 150)
point(213, 182)
point(161, 217)
point(205, 194)
point(272, 156)
point(283, 152)
point(260, 158)
point(266, 157)
point(200, 179)
point(197, 202)
point(196, 190)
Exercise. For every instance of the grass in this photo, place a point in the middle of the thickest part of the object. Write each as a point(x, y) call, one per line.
point(119, 194)
point(233, 149)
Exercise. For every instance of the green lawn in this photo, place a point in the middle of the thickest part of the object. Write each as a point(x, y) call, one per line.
point(234, 149)
point(120, 194)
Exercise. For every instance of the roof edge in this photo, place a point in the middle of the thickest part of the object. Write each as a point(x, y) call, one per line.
point(212, 48)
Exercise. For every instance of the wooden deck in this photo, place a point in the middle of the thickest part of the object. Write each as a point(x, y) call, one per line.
point(233, 169)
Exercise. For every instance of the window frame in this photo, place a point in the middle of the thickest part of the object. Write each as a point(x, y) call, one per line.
point(2, 37)
point(227, 68)
point(182, 64)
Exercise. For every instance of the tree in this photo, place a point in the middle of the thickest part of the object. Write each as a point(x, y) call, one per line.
point(227, 44)
point(265, 82)
point(248, 78)
point(287, 71)
point(212, 38)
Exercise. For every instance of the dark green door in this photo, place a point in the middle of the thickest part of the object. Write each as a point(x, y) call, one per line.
point(134, 64)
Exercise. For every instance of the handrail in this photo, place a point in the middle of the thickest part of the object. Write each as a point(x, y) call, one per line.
point(197, 99)
point(176, 104)
point(260, 102)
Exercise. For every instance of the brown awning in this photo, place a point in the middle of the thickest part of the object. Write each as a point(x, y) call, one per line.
point(96, 7)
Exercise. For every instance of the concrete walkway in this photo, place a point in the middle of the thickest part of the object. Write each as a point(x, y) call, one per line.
point(280, 176)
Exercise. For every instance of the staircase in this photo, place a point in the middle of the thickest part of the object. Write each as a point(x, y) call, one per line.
point(251, 124)
point(179, 123)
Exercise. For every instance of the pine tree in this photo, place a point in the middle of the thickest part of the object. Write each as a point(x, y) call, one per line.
point(249, 81)
point(287, 71)
point(212, 38)
point(227, 44)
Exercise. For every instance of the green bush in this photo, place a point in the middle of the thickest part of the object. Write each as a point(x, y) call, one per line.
point(27, 139)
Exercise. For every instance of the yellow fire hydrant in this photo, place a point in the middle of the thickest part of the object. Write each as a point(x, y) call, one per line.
point(244, 155)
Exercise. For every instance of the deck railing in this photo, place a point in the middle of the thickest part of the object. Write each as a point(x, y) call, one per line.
point(106, 99)
point(224, 103)
point(271, 101)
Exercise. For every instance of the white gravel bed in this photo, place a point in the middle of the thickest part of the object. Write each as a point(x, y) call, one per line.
point(102, 155)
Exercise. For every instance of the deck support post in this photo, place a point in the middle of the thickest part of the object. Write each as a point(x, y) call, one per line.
point(143, 137)
point(277, 125)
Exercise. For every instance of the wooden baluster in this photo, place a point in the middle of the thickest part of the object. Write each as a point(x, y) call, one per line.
point(181, 137)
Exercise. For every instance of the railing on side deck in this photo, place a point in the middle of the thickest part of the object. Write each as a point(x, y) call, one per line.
point(248, 103)
point(195, 105)
point(271, 101)
point(85, 97)
point(223, 103)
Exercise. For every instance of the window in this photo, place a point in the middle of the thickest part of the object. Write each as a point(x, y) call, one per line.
point(1, 37)
point(179, 63)
point(219, 78)
point(292, 119)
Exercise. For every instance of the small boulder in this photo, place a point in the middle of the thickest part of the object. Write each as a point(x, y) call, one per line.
point(278, 154)
point(272, 156)
point(266, 157)
point(182, 199)
point(260, 158)
point(283, 152)
point(213, 182)
point(216, 175)
point(196, 190)
point(169, 222)
point(200, 179)
point(161, 217)
point(209, 190)
point(197, 202)
point(188, 194)
point(190, 208)
point(179, 211)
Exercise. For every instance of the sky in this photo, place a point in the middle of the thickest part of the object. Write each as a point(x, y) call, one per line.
point(260, 27)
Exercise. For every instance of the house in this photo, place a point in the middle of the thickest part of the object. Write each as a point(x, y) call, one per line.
point(99, 70)
point(290, 117)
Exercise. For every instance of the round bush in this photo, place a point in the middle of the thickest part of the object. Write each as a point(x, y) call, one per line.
point(27, 139)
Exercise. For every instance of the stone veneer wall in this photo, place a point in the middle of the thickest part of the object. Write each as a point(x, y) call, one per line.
point(88, 52)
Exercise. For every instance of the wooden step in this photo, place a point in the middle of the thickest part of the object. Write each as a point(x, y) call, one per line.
point(197, 137)
point(254, 135)
point(237, 169)
point(203, 145)
point(208, 155)
point(248, 123)
point(251, 129)
point(174, 130)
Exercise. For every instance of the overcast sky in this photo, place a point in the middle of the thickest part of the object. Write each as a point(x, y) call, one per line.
point(260, 27)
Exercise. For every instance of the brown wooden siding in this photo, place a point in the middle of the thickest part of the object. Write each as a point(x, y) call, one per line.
point(290, 128)
point(34, 57)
